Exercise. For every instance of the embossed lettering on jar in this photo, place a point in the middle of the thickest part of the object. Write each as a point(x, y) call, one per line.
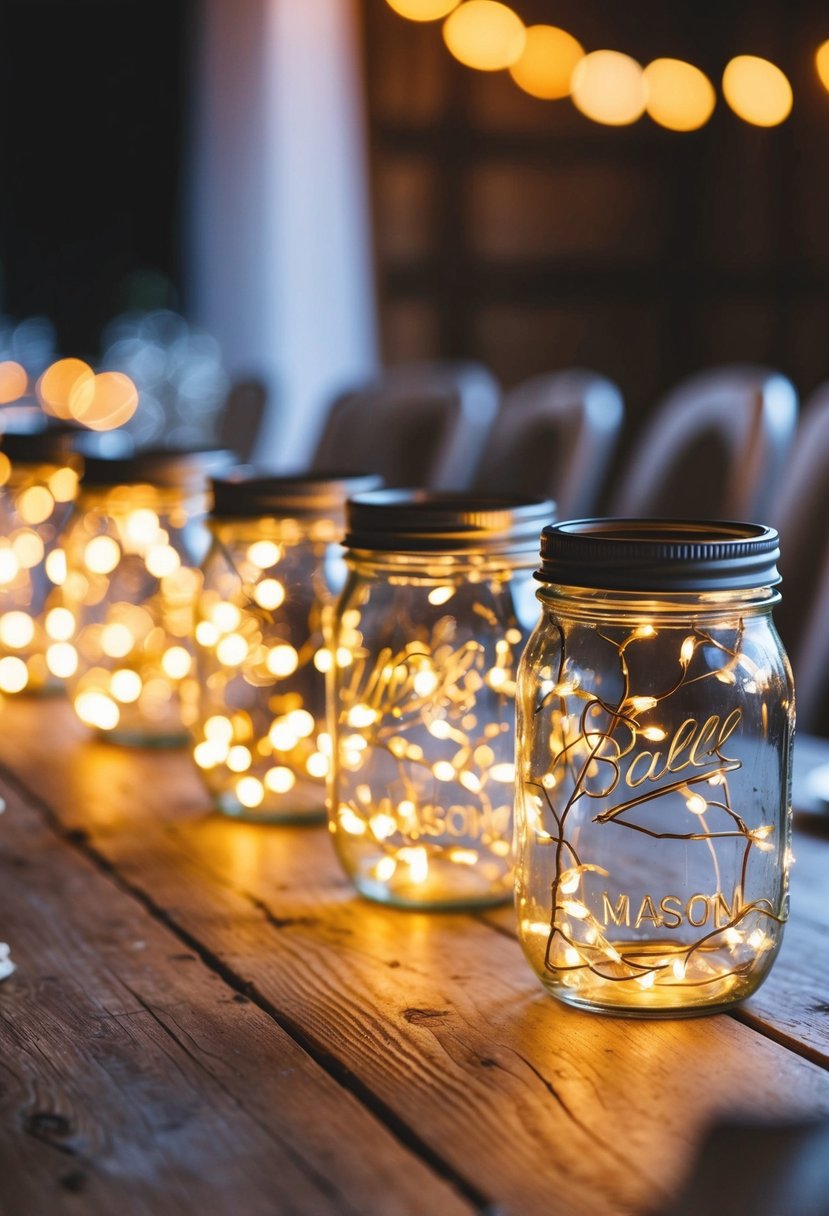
point(437, 607)
point(655, 718)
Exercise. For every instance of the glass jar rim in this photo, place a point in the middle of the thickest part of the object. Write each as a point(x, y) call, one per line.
point(659, 555)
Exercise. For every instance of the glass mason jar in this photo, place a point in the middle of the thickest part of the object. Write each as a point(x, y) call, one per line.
point(133, 548)
point(38, 483)
point(273, 571)
point(655, 722)
point(437, 607)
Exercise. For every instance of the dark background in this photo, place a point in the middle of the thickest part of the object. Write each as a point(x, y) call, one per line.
point(93, 104)
point(507, 229)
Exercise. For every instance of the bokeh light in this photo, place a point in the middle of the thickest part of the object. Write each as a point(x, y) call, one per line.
point(679, 96)
point(485, 34)
point(103, 402)
point(58, 383)
point(546, 65)
point(13, 381)
point(423, 10)
point(757, 91)
point(822, 63)
point(609, 88)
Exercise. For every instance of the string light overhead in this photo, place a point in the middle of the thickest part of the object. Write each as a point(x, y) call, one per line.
point(607, 86)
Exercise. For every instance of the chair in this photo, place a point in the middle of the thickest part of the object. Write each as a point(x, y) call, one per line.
point(419, 425)
point(714, 448)
point(554, 437)
point(800, 512)
point(241, 418)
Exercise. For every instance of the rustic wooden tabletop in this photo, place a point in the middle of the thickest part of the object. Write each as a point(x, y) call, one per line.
point(205, 1019)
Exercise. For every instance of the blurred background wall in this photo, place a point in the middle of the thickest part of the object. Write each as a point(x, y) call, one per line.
point(211, 155)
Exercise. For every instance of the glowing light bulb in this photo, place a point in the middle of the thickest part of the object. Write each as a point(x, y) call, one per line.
point(35, 505)
point(226, 617)
point(142, 526)
point(59, 624)
point(279, 779)
point(269, 594)
point(126, 685)
point(822, 63)
point(176, 662)
point(440, 595)
point(238, 758)
point(28, 549)
point(56, 567)
point(162, 560)
point(250, 792)
point(282, 660)
point(102, 554)
point(96, 709)
point(63, 485)
point(58, 382)
point(485, 34)
point(232, 650)
point(679, 96)
point(9, 566)
point(757, 91)
point(116, 640)
point(609, 87)
point(16, 629)
point(14, 675)
point(13, 381)
point(545, 67)
point(423, 10)
point(104, 402)
point(62, 659)
point(264, 554)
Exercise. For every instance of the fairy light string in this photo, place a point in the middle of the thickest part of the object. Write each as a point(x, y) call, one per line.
point(587, 763)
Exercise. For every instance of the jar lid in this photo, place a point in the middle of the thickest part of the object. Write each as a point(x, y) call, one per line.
point(28, 437)
point(422, 521)
point(166, 468)
point(238, 496)
point(659, 555)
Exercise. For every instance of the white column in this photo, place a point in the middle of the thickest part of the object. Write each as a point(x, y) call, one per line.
point(279, 249)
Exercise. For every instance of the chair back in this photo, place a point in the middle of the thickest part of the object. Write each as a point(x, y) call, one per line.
point(554, 438)
point(241, 418)
point(713, 449)
point(800, 512)
point(419, 425)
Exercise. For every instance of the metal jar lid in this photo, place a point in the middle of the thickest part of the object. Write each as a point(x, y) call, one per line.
point(653, 555)
point(421, 521)
point(305, 494)
point(161, 467)
point(28, 437)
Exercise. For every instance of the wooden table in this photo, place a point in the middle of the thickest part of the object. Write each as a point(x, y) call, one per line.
point(205, 1019)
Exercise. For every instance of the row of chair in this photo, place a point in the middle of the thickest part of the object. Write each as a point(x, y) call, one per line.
point(715, 446)
point(726, 443)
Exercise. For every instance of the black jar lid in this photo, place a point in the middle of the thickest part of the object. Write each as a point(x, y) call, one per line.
point(423, 521)
point(659, 555)
point(28, 437)
point(165, 468)
point(239, 496)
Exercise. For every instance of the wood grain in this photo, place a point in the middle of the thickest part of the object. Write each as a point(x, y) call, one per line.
point(132, 1077)
point(435, 1021)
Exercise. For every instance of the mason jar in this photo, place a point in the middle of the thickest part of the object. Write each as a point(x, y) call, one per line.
point(272, 573)
point(125, 608)
point(655, 719)
point(438, 604)
point(38, 483)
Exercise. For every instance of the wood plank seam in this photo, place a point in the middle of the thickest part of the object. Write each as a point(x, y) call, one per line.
point(79, 841)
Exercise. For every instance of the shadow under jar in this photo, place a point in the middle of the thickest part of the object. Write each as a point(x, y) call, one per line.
point(437, 607)
point(655, 721)
point(133, 550)
point(271, 577)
